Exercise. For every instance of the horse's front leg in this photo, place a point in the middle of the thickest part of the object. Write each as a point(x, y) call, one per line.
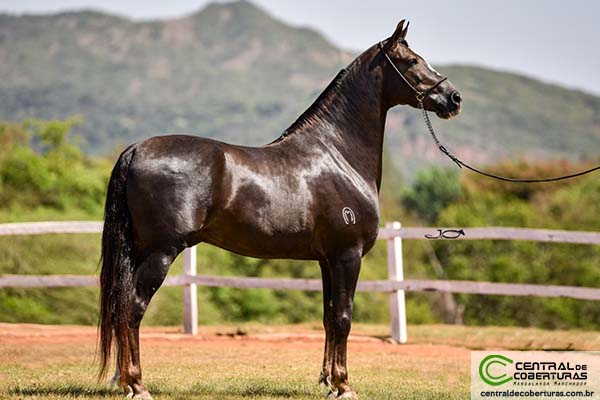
point(345, 272)
point(325, 376)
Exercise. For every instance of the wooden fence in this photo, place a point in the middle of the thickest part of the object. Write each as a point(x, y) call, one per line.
point(396, 285)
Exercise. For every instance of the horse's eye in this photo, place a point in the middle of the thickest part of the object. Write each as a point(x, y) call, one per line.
point(412, 61)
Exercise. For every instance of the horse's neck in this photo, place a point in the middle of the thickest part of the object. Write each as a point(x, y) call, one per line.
point(352, 121)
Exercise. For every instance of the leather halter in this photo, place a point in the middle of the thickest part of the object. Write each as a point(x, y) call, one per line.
point(418, 94)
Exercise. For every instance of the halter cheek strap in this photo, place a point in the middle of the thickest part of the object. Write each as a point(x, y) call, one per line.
point(418, 94)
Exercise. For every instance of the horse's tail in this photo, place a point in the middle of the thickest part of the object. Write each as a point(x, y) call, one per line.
point(116, 278)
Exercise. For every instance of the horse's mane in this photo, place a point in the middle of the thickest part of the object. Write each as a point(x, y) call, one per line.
point(311, 113)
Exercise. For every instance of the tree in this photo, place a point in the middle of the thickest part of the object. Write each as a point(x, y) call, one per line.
point(434, 189)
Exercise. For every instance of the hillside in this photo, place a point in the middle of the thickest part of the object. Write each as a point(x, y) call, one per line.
point(233, 72)
point(220, 72)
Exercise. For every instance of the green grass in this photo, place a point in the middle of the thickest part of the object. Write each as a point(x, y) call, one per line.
point(57, 362)
point(175, 373)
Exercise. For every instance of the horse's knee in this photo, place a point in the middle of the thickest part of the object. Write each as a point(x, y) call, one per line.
point(343, 322)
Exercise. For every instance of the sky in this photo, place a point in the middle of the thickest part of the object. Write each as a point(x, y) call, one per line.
point(556, 41)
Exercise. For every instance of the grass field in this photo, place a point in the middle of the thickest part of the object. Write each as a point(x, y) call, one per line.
point(262, 362)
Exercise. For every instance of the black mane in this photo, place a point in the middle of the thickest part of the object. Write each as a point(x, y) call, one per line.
point(312, 112)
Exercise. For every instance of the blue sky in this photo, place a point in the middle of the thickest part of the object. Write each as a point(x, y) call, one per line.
point(556, 41)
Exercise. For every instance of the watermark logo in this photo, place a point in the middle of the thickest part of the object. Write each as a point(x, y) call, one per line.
point(535, 374)
point(491, 372)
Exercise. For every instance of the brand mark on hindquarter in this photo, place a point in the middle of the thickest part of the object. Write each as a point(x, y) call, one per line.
point(348, 215)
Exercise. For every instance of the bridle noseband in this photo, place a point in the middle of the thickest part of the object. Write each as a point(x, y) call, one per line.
point(418, 94)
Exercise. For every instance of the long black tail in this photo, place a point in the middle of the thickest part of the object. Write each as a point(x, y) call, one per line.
point(116, 278)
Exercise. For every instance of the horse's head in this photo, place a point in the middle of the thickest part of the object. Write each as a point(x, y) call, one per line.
point(407, 77)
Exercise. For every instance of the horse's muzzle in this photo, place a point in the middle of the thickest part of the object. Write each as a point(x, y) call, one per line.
point(451, 106)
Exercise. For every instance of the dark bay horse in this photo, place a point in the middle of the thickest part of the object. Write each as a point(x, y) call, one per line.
point(311, 195)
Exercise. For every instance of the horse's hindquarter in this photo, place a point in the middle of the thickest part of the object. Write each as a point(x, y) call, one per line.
point(171, 188)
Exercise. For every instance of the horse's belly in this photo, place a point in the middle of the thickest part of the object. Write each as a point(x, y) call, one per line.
point(261, 237)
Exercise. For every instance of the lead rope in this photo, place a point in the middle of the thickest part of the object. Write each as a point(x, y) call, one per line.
point(461, 164)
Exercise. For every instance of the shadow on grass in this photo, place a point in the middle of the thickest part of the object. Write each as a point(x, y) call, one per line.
point(257, 389)
point(245, 389)
point(64, 390)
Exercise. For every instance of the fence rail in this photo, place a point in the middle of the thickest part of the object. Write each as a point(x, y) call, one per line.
point(408, 285)
point(45, 228)
point(389, 232)
point(396, 285)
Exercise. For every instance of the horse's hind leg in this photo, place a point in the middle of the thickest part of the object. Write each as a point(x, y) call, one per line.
point(149, 276)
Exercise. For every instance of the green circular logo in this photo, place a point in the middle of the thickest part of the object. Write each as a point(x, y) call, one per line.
point(488, 376)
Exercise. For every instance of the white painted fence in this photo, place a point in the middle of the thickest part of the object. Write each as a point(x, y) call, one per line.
point(396, 285)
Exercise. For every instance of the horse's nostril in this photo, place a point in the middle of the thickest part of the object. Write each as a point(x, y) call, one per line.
point(455, 97)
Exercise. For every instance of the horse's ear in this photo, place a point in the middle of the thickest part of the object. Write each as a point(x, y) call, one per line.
point(401, 31)
point(405, 30)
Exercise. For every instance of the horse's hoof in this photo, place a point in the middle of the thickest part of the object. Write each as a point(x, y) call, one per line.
point(332, 394)
point(144, 395)
point(350, 394)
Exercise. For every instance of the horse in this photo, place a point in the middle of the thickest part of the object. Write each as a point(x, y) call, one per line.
point(312, 194)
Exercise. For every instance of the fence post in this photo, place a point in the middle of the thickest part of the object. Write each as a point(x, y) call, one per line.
point(396, 273)
point(190, 296)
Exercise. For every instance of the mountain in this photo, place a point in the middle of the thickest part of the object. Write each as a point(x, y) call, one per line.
point(233, 72)
point(230, 71)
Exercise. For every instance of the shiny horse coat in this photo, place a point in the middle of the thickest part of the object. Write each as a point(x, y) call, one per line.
point(312, 194)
